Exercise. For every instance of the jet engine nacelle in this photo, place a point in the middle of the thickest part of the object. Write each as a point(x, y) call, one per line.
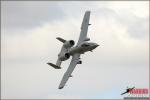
point(64, 56)
point(69, 44)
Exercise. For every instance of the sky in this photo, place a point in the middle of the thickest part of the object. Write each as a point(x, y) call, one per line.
point(28, 41)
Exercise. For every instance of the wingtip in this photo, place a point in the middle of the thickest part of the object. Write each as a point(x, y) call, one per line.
point(60, 87)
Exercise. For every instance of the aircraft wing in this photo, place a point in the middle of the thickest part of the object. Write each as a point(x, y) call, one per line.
point(124, 93)
point(70, 69)
point(84, 27)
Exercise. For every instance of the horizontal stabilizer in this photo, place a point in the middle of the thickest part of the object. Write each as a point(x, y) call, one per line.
point(61, 39)
point(54, 66)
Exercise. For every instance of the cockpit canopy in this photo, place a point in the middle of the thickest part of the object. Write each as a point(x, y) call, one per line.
point(85, 44)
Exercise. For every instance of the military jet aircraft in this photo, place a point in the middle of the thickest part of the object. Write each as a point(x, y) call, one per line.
point(127, 90)
point(68, 49)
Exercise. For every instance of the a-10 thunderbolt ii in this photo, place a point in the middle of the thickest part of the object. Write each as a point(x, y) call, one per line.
point(68, 49)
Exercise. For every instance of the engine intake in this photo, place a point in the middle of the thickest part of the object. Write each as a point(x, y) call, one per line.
point(69, 44)
point(65, 56)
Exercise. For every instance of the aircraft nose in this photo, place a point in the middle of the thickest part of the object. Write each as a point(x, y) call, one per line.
point(96, 45)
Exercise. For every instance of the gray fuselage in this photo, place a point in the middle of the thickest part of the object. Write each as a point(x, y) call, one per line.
point(82, 48)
